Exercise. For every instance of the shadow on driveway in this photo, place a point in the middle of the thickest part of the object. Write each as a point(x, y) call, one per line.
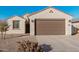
point(46, 48)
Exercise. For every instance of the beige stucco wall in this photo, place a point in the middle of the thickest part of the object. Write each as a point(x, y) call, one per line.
point(26, 16)
point(21, 30)
point(56, 14)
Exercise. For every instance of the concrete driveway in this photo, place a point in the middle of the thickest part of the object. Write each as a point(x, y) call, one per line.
point(61, 43)
point(58, 43)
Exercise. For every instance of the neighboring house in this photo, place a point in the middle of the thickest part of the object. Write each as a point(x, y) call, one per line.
point(75, 27)
point(49, 21)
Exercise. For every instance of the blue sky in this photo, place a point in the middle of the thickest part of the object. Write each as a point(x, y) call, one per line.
point(8, 11)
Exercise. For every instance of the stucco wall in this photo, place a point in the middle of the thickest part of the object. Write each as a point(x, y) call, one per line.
point(55, 15)
point(21, 30)
point(26, 17)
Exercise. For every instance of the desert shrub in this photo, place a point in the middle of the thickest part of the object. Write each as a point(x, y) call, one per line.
point(29, 46)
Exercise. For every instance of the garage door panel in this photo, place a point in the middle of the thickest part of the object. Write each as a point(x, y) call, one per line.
point(50, 27)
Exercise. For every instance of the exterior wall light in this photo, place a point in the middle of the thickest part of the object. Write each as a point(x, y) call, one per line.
point(69, 20)
point(32, 20)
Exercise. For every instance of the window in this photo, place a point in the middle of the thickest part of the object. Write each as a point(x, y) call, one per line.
point(16, 24)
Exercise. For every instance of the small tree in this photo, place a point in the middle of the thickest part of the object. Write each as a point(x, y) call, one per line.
point(3, 28)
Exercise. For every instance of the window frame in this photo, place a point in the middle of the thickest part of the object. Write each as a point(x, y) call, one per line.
point(15, 26)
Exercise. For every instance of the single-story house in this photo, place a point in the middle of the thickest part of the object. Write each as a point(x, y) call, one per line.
point(49, 21)
point(75, 27)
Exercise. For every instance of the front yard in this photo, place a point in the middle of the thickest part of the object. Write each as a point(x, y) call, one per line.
point(59, 43)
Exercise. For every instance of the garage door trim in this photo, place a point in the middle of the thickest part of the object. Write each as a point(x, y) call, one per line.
point(49, 20)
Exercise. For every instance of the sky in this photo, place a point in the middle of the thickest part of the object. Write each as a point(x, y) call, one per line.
point(9, 11)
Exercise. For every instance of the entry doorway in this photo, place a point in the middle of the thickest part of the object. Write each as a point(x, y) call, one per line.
point(27, 28)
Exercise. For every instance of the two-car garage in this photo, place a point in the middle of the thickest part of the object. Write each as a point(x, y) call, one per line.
point(50, 27)
point(50, 21)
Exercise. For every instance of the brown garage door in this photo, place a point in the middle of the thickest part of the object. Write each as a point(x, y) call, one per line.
point(49, 26)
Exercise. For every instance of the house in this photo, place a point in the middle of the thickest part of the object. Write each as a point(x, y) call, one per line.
point(49, 21)
point(75, 27)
